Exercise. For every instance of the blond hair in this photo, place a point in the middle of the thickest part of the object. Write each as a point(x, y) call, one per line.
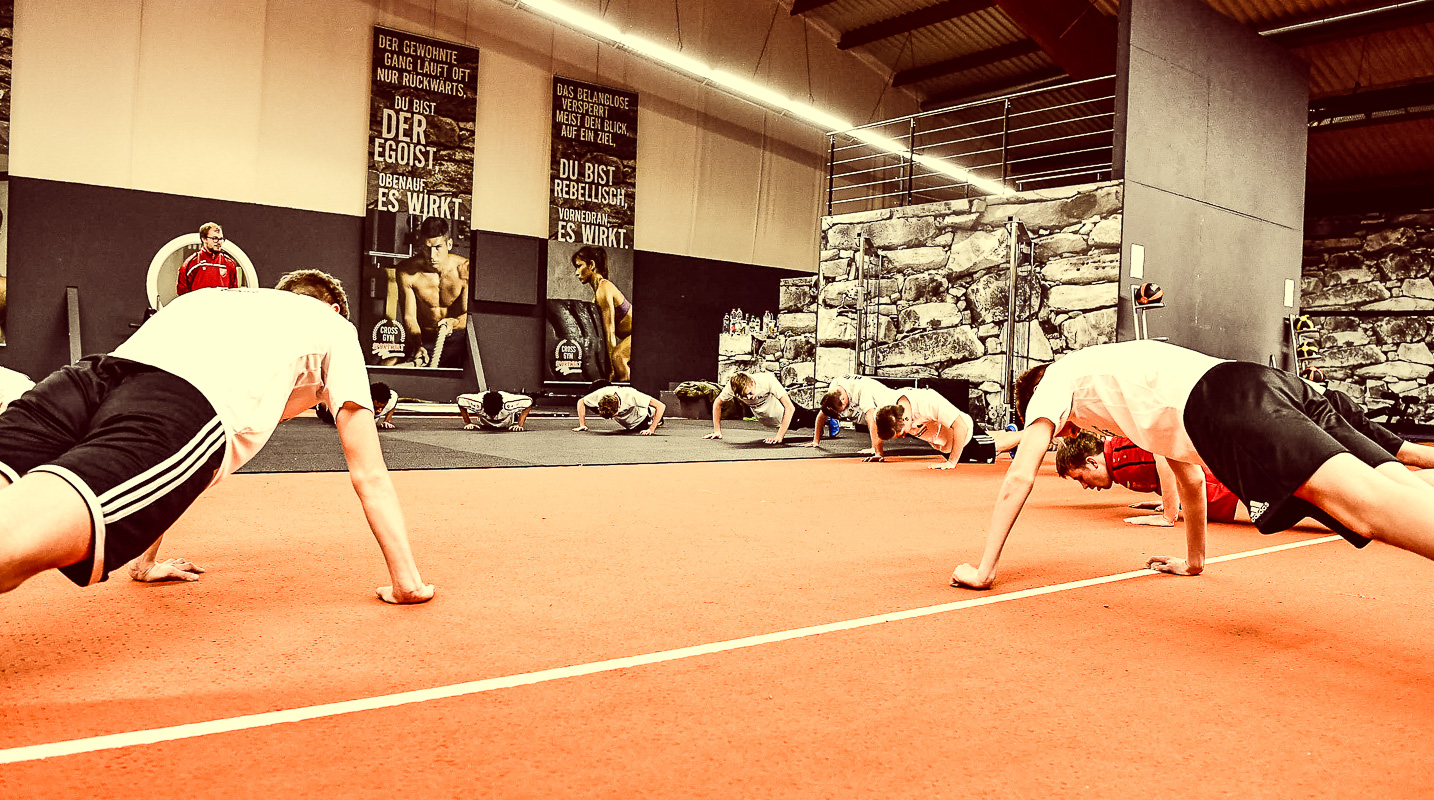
point(608, 405)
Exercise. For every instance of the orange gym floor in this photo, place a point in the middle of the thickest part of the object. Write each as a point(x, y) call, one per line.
point(731, 629)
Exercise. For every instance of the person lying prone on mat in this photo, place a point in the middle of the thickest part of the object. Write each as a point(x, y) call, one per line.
point(494, 411)
point(624, 405)
point(101, 457)
point(1098, 463)
point(924, 414)
point(1278, 445)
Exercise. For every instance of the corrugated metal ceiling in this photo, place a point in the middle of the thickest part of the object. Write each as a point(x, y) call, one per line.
point(1392, 49)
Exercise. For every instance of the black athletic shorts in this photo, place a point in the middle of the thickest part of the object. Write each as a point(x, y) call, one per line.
point(1354, 415)
point(802, 417)
point(981, 449)
point(1263, 432)
point(136, 442)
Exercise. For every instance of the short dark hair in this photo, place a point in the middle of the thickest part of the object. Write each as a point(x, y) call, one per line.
point(380, 393)
point(831, 403)
point(888, 420)
point(492, 402)
point(1026, 386)
point(316, 284)
point(596, 256)
point(434, 227)
point(1074, 450)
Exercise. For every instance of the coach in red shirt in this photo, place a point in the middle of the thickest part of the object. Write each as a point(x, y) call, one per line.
point(211, 266)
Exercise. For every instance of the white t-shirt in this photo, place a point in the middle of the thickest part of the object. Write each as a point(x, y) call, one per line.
point(12, 385)
point(1137, 389)
point(634, 408)
point(513, 405)
point(260, 356)
point(765, 399)
point(935, 419)
point(863, 394)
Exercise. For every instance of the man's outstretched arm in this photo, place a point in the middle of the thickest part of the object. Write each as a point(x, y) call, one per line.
point(369, 475)
point(1190, 479)
point(1014, 490)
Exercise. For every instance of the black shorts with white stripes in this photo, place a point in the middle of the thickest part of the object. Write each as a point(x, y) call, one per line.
point(138, 443)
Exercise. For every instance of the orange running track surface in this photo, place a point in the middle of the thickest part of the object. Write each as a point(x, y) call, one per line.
point(1298, 673)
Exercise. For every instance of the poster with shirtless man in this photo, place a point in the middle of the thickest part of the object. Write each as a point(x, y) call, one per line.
point(423, 106)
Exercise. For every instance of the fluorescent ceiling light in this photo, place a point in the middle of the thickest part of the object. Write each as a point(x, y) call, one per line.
point(755, 90)
point(817, 116)
point(665, 55)
point(748, 89)
point(575, 18)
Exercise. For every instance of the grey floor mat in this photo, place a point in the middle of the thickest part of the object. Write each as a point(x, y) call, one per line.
point(308, 445)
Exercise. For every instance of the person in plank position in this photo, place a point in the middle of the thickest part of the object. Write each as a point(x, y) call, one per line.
point(852, 398)
point(494, 411)
point(924, 414)
point(769, 402)
point(624, 405)
point(102, 456)
point(1274, 440)
point(1097, 462)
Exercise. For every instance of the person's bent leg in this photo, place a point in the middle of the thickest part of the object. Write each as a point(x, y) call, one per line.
point(1372, 503)
point(1416, 455)
point(44, 524)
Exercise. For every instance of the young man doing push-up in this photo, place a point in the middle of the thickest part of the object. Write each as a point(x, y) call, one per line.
point(1274, 440)
point(924, 414)
point(101, 457)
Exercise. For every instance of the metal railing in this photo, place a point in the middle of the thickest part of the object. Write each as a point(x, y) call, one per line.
point(1042, 138)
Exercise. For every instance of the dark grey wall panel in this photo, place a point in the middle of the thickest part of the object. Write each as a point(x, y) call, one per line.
point(512, 349)
point(507, 268)
point(1220, 297)
point(1213, 147)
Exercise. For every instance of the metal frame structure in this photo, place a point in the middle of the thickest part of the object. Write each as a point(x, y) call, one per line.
point(1041, 138)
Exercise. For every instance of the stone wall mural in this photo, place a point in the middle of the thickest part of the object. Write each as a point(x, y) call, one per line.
point(939, 304)
point(1368, 284)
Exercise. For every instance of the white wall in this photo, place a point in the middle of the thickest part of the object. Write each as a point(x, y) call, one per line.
point(266, 101)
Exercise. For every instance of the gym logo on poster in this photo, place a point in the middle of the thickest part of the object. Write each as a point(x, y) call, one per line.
point(389, 339)
point(568, 358)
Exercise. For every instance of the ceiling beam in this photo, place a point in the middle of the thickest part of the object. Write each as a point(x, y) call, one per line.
point(1076, 36)
point(1351, 26)
point(1027, 80)
point(1372, 107)
point(971, 61)
point(800, 7)
point(910, 21)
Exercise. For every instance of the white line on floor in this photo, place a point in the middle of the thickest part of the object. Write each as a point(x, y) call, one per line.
point(195, 729)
